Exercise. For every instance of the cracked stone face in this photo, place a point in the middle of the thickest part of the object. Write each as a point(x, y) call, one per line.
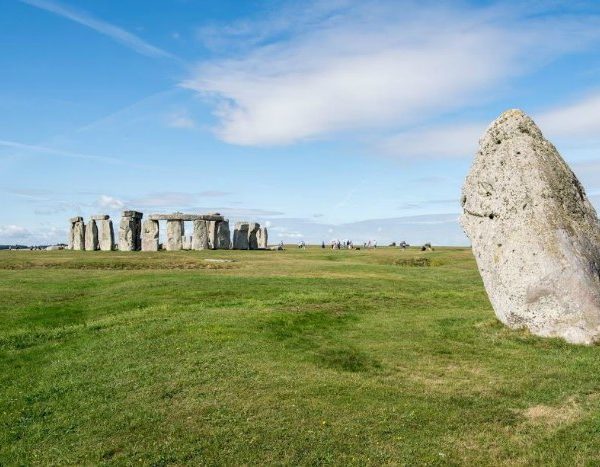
point(150, 232)
point(535, 235)
point(91, 236)
point(200, 235)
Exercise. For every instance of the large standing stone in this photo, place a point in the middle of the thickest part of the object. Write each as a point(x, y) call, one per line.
point(240, 236)
point(186, 242)
point(106, 234)
point(77, 234)
point(200, 235)
point(211, 227)
point(262, 237)
point(252, 236)
point(91, 236)
point(174, 233)
point(223, 235)
point(150, 231)
point(130, 231)
point(535, 235)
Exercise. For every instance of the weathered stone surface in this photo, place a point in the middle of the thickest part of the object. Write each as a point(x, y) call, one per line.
point(106, 235)
point(78, 229)
point(76, 219)
point(240, 236)
point(262, 238)
point(174, 233)
point(178, 216)
point(70, 238)
point(150, 231)
point(211, 228)
point(252, 233)
point(200, 235)
point(186, 242)
point(91, 236)
point(134, 214)
point(130, 232)
point(535, 235)
point(223, 236)
point(100, 217)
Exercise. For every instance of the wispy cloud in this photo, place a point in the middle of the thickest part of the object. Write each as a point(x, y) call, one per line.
point(41, 235)
point(213, 193)
point(58, 152)
point(374, 65)
point(578, 119)
point(575, 123)
point(180, 119)
point(34, 194)
point(33, 148)
point(110, 202)
point(458, 140)
point(110, 30)
point(11, 232)
point(429, 203)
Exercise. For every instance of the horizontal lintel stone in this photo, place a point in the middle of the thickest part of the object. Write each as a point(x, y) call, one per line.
point(100, 217)
point(185, 217)
point(134, 214)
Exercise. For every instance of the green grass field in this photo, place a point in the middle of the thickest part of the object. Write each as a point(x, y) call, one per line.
point(293, 357)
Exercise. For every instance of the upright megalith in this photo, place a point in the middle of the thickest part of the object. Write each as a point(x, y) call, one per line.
point(186, 242)
point(262, 238)
point(253, 229)
point(200, 235)
point(240, 236)
point(175, 231)
point(106, 233)
point(211, 229)
point(130, 231)
point(150, 231)
point(223, 235)
point(77, 234)
point(91, 235)
point(535, 235)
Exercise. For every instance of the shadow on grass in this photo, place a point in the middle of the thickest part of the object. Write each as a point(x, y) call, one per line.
point(315, 335)
point(346, 358)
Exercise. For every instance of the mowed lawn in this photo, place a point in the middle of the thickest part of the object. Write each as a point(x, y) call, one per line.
point(291, 357)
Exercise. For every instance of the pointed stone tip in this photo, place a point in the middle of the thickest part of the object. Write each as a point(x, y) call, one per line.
point(514, 117)
point(510, 123)
point(513, 113)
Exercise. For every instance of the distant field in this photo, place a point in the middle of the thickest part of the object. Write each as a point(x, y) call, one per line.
point(287, 357)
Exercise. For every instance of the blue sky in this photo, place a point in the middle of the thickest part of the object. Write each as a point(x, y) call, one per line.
point(321, 119)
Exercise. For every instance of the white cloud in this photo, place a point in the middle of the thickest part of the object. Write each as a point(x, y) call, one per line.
point(577, 124)
point(40, 235)
point(108, 202)
point(110, 30)
point(458, 140)
point(213, 193)
point(180, 119)
point(12, 232)
point(580, 119)
point(57, 152)
point(372, 65)
point(284, 232)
